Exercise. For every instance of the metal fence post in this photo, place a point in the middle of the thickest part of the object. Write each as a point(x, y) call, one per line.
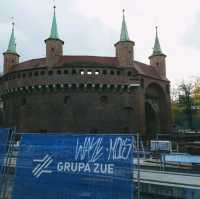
point(138, 166)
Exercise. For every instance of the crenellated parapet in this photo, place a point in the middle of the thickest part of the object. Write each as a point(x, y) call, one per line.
point(56, 79)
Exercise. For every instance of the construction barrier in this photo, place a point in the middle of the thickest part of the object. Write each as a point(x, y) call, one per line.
point(74, 166)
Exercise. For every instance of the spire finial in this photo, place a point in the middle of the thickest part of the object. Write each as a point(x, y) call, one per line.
point(124, 32)
point(12, 43)
point(157, 49)
point(156, 31)
point(13, 22)
point(123, 14)
point(54, 7)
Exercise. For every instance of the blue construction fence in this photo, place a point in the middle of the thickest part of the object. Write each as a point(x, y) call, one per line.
point(74, 166)
point(181, 158)
point(4, 140)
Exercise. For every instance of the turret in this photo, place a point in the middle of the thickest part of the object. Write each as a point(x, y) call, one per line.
point(11, 57)
point(125, 47)
point(157, 59)
point(54, 45)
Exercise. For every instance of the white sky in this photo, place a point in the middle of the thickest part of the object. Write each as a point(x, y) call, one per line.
point(91, 27)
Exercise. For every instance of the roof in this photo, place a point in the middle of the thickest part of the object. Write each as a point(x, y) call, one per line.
point(124, 32)
point(12, 43)
point(54, 28)
point(143, 69)
point(102, 61)
point(157, 48)
point(147, 70)
point(33, 63)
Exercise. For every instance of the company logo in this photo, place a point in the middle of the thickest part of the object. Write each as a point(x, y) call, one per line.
point(42, 166)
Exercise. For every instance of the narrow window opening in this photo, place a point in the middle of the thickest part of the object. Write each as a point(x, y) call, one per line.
point(89, 72)
point(58, 72)
point(65, 72)
point(82, 72)
point(42, 72)
point(23, 101)
point(73, 72)
point(104, 72)
point(66, 99)
point(112, 72)
point(36, 73)
point(97, 72)
point(104, 99)
point(129, 73)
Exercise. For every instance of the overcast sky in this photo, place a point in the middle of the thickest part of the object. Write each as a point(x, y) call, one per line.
point(91, 27)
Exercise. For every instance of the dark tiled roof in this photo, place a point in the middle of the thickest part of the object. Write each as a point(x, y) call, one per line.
point(142, 68)
point(33, 63)
point(109, 61)
point(147, 70)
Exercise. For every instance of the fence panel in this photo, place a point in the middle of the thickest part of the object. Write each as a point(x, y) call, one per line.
point(74, 166)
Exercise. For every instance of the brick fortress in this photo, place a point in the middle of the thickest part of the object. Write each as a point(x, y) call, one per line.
point(86, 93)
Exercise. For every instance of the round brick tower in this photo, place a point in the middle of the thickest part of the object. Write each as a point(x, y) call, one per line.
point(82, 93)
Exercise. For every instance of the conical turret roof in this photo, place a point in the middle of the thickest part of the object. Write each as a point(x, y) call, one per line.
point(124, 32)
point(12, 42)
point(54, 29)
point(157, 48)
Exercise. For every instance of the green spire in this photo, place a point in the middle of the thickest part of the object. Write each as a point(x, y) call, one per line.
point(124, 32)
point(54, 29)
point(12, 43)
point(157, 49)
